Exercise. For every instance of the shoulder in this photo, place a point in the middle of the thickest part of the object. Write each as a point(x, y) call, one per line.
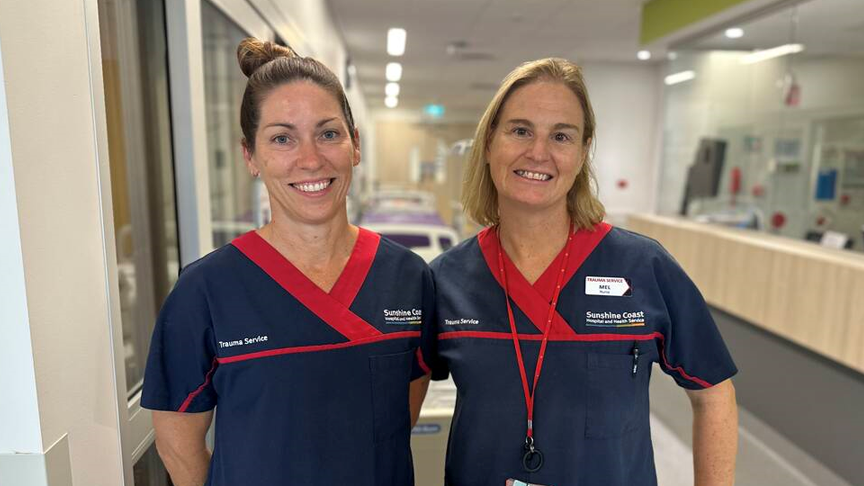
point(623, 239)
point(197, 277)
point(462, 254)
point(627, 244)
point(212, 264)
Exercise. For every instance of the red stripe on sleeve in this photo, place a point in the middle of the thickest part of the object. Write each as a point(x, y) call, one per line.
point(201, 388)
point(422, 363)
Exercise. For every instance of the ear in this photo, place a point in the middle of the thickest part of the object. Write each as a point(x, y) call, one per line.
point(247, 157)
point(357, 151)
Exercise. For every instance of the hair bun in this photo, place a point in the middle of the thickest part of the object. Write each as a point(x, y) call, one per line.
point(252, 53)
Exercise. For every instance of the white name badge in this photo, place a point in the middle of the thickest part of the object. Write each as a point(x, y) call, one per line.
point(516, 482)
point(608, 286)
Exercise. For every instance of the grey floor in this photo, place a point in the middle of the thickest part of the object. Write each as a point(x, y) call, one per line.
point(765, 457)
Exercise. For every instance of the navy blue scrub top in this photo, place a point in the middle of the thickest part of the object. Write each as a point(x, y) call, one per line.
point(623, 292)
point(311, 387)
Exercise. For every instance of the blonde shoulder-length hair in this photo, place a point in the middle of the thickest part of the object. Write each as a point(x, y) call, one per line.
point(479, 196)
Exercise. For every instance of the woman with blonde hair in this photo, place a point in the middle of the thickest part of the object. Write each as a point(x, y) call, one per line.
point(305, 333)
point(550, 319)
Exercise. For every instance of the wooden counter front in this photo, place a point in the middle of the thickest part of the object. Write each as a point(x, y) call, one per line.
point(811, 295)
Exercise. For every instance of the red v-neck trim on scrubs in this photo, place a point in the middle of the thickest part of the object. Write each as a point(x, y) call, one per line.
point(332, 308)
point(351, 279)
point(534, 300)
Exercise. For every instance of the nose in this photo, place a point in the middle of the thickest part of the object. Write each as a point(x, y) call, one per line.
point(308, 157)
point(539, 150)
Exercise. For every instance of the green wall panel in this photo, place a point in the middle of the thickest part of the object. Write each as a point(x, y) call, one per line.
point(663, 17)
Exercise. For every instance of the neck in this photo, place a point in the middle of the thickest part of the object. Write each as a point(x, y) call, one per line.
point(311, 245)
point(530, 234)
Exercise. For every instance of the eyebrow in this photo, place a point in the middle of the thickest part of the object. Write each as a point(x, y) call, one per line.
point(293, 127)
point(557, 126)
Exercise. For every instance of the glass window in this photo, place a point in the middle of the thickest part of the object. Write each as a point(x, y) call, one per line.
point(135, 72)
point(766, 131)
point(237, 201)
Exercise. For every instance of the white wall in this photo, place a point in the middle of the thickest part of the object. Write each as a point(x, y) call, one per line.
point(625, 98)
point(17, 373)
point(56, 179)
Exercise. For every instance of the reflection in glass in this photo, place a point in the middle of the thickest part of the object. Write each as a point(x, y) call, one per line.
point(235, 198)
point(791, 118)
point(135, 73)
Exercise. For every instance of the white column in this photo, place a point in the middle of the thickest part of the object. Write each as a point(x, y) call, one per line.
point(188, 123)
point(59, 407)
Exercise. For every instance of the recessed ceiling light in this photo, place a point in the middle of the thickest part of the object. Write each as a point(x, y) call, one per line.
point(643, 55)
point(394, 71)
point(396, 41)
point(735, 33)
point(392, 89)
point(672, 55)
point(391, 101)
point(679, 77)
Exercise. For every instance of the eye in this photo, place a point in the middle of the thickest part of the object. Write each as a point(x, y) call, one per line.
point(520, 132)
point(281, 139)
point(330, 135)
point(562, 137)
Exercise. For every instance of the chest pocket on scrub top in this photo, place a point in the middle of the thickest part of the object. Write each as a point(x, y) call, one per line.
point(390, 377)
point(617, 399)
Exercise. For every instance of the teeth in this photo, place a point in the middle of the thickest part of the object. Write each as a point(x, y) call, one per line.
point(533, 175)
point(312, 186)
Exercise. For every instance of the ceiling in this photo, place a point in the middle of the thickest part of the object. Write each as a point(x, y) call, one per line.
point(825, 27)
point(491, 38)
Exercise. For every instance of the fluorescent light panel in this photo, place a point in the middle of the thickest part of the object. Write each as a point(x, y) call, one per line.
point(391, 101)
point(679, 77)
point(766, 54)
point(394, 71)
point(396, 41)
point(392, 89)
point(643, 55)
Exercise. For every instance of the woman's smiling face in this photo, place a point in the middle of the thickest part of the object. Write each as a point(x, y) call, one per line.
point(304, 152)
point(536, 150)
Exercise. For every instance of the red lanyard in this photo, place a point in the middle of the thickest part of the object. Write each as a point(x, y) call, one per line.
point(529, 396)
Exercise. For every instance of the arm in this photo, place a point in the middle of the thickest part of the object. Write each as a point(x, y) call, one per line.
point(715, 434)
point(416, 394)
point(180, 442)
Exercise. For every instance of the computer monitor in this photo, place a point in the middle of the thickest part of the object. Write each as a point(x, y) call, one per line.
point(703, 177)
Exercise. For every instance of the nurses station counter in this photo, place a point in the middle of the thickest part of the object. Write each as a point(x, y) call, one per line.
point(800, 291)
point(429, 437)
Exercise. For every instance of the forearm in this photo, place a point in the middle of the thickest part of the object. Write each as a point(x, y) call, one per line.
point(715, 439)
point(181, 445)
point(417, 393)
point(186, 469)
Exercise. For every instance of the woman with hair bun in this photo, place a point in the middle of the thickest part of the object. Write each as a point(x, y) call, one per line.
point(307, 333)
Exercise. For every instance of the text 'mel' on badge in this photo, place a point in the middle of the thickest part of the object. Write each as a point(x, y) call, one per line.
point(608, 286)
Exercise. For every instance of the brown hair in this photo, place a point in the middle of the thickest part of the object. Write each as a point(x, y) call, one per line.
point(479, 196)
point(268, 66)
